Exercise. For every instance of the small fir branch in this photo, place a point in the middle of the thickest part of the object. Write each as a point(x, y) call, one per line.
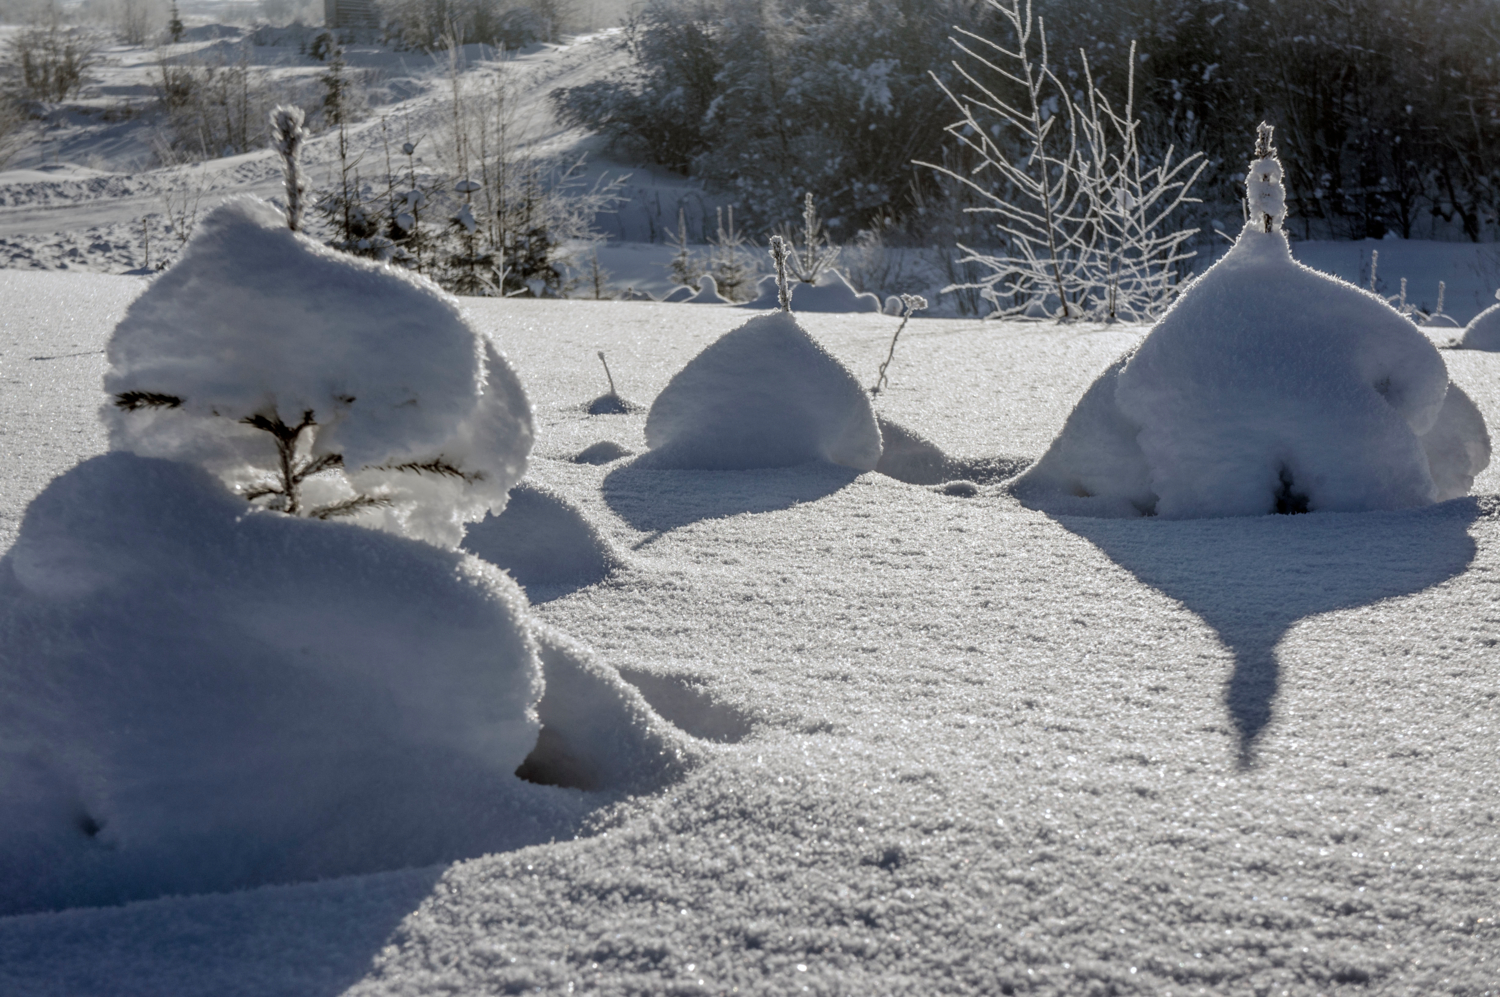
point(132, 401)
point(783, 288)
point(439, 466)
point(348, 507)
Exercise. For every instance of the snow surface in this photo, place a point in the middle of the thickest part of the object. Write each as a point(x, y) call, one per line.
point(946, 745)
point(764, 395)
point(258, 320)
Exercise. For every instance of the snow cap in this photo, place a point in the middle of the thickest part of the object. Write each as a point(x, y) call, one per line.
point(1264, 193)
point(255, 319)
point(764, 395)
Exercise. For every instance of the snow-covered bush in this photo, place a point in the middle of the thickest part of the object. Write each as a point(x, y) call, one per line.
point(1267, 387)
point(193, 698)
point(316, 383)
point(763, 395)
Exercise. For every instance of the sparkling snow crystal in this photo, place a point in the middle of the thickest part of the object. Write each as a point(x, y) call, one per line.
point(764, 395)
point(421, 423)
point(1267, 387)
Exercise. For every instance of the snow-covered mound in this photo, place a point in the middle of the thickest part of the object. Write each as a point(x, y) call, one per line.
point(602, 452)
point(763, 395)
point(543, 541)
point(708, 293)
point(679, 294)
point(196, 697)
point(831, 293)
point(1267, 387)
point(1483, 332)
point(423, 413)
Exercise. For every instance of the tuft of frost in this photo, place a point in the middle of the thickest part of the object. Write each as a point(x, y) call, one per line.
point(198, 697)
point(255, 319)
point(763, 395)
point(831, 293)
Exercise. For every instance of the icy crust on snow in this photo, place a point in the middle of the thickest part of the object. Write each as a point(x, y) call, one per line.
point(764, 395)
point(255, 319)
point(1267, 387)
point(1483, 332)
point(194, 696)
point(831, 293)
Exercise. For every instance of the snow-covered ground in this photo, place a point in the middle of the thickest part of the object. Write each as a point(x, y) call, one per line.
point(951, 745)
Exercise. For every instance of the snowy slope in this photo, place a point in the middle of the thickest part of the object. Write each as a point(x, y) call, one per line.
point(955, 746)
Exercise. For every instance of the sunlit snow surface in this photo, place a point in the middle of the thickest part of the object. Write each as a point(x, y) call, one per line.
point(955, 746)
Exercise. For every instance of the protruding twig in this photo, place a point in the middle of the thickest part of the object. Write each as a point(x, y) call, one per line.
point(607, 374)
point(287, 135)
point(910, 303)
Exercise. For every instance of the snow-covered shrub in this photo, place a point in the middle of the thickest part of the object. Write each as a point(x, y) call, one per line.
point(193, 698)
point(543, 541)
point(316, 383)
point(1267, 387)
point(764, 395)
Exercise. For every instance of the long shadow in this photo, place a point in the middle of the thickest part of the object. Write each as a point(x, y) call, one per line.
point(657, 500)
point(1251, 579)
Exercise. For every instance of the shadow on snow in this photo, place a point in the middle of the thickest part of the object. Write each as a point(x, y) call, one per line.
point(1252, 579)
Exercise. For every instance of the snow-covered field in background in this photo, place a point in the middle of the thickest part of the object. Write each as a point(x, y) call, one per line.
point(951, 745)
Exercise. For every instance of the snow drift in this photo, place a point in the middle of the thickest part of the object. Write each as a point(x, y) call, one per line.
point(1267, 387)
point(764, 395)
point(419, 409)
point(543, 541)
point(196, 696)
point(1483, 331)
point(831, 293)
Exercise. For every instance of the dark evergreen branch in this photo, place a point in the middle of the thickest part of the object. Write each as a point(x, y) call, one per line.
point(439, 466)
point(348, 507)
point(131, 401)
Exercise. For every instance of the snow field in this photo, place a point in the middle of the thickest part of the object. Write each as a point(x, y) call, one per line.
point(988, 749)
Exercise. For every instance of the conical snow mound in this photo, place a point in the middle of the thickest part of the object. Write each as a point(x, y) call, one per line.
point(763, 395)
point(1267, 387)
point(422, 410)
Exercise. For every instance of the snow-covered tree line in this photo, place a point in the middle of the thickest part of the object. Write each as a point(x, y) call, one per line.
point(1390, 109)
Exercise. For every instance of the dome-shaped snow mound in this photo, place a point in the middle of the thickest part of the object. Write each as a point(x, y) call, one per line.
point(763, 395)
point(256, 320)
point(1483, 331)
point(1267, 387)
point(196, 697)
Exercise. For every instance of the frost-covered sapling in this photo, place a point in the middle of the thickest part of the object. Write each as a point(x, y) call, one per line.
point(287, 136)
point(818, 253)
point(317, 384)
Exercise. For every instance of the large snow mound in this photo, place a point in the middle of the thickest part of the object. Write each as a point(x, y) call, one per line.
point(1483, 331)
point(1267, 387)
point(195, 696)
point(255, 319)
point(831, 293)
point(764, 395)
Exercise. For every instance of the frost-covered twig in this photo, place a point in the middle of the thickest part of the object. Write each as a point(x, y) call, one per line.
point(910, 303)
point(779, 254)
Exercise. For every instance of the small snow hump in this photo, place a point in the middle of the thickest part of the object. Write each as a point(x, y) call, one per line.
point(1483, 331)
point(764, 395)
point(1266, 382)
point(831, 293)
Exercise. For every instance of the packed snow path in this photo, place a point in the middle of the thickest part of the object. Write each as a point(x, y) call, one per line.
point(957, 746)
